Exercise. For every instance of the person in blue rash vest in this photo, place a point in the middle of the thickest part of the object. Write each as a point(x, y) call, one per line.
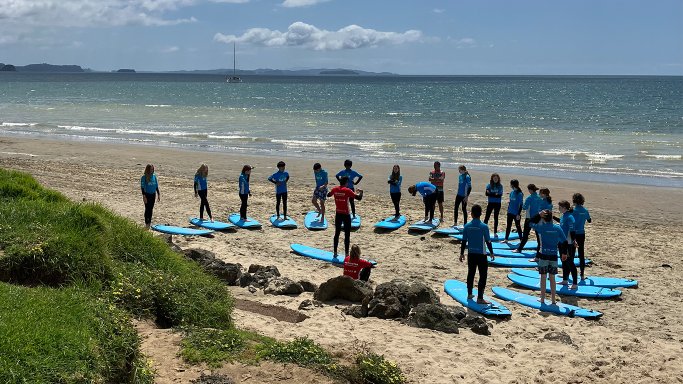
point(395, 180)
point(581, 216)
point(353, 179)
point(476, 238)
point(244, 191)
point(428, 193)
point(514, 208)
point(568, 227)
point(149, 185)
point(551, 238)
point(320, 192)
point(532, 207)
point(201, 190)
point(494, 191)
point(280, 179)
point(464, 189)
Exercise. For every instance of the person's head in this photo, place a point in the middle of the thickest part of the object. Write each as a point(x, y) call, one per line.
point(246, 169)
point(203, 170)
point(355, 252)
point(546, 215)
point(149, 170)
point(281, 165)
point(475, 212)
point(495, 179)
point(544, 192)
point(578, 199)
point(462, 169)
point(563, 206)
point(348, 164)
point(343, 181)
point(437, 166)
point(396, 169)
point(532, 188)
point(514, 183)
point(412, 190)
point(317, 167)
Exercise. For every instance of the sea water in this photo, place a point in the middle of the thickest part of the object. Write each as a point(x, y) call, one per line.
point(617, 129)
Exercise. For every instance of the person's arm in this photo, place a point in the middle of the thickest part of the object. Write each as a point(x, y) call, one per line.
point(358, 195)
point(338, 177)
point(271, 178)
point(469, 186)
point(463, 245)
point(194, 185)
point(488, 191)
point(562, 246)
point(287, 179)
point(589, 219)
point(360, 177)
point(490, 247)
point(556, 218)
point(329, 194)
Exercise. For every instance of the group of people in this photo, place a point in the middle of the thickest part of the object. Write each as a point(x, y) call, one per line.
point(566, 238)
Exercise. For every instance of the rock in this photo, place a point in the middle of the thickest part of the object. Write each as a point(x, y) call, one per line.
point(357, 311)
point(213, 378)
point(262, 275)
point(252, 289)
point(308, 286)
point(201, 256)
point(246, 279)
point(228, 272)
point(309, 304)
point(283, 286)
point(438, 317)
point(477, 324)
point(343, 287)
point(396, 298)
point(561, 337)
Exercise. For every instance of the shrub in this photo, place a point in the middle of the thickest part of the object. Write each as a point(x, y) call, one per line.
point(211, 346)
point(375, 369)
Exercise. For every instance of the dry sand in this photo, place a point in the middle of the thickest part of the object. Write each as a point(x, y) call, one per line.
point(636, 230)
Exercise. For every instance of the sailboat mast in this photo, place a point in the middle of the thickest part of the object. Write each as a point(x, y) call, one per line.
point(234, 58)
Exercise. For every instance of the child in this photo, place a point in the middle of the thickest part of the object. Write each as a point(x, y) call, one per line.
point(201, 189)
point(437, 177)
point(342, 196)
point(149, 185)
point(581, 216)
point(355, 267)
point(567, 225)
point(550, 237)
point(320, 191)
point(428, 192)
point(244, 191)
point(474, 235)
point(395, 180)
point(464, 189)
point(351, 176)
point(494, 191)
point(280, 179)
point(514, 208)
point(532, 207)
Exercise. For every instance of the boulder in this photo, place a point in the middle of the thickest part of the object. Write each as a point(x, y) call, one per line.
point(438, 317)
point(477, 324)
point(561, 337)
point(396, 298)
point(357, 311)
point(201, 256)
point(283, 286)
point(261, 275)
point(345, 288)
point(308, 286)
point(246, 279)
point(309, 304)
point(228, 272)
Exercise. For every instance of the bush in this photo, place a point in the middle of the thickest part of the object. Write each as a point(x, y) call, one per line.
point(301, 351)
point(211, 346)
point(375, 369)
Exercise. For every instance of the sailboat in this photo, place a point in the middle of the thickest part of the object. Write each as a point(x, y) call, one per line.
point(234, 78)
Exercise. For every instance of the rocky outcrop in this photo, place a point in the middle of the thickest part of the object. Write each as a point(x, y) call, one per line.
point(283, 286)
point(438, 317)
point(228, 272)
point(396, 298)
point(344, 288)
point(258, 275)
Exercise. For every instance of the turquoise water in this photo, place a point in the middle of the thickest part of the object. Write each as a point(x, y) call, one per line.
point(618, 129)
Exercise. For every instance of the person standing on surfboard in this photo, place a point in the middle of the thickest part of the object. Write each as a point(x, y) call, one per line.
point(437, 177)
point(244, 191)
point(355, 267)
point(464, 189)
point(343, 196)
point(581, 216)
point(280, 179)
point(320, 192)
point(514, 208)
point(428, 193)
point(353, 178)
point(567, 223)
point(149, 185)
point(494, 191)
point(550, 239)
point(395, 180)
point(532, 206)
point(475, 237)
point(201, 189)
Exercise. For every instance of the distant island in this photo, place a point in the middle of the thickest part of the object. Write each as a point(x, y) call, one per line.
point(125, 70)
point(42, 68)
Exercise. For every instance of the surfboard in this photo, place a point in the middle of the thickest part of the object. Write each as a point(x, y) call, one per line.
point(215, 225)
point(595, 281)
point(501, 236)
point(312, 223)
point(424, 226)
point(508, 253)
point(247, 224)
point(529, 245)
point(281, 222)
point(458, 291)
point(534, 302)
point(355, 222)
point(391, 223)
point(447, 231)
point(319, 254)
point(511, 262)
point(173, 230)
point(582, 291)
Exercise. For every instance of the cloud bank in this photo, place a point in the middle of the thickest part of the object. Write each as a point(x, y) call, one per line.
point(301, 3)
point(308, 36)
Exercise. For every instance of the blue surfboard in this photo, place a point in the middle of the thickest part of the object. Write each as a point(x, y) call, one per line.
point(534, 302)
point(500, 245)
point(281, 222)
point(458, 291)
point(319, 254)
point(594, 281)
point(355, 222)
point(249, 223)
point(514, 255)
point(391, 223)
point(582, 291)
point(447, 231)
point(425, 226)
point(312, 222)
point(173, 230)
point(510, 262)
point(208, 224)
point(501, 236)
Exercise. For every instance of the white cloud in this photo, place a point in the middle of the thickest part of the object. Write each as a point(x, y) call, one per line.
point(437, 10)
point(301, 3)
point(300, 34)
point(465, 42)
point(230, 1)
point(170, 49)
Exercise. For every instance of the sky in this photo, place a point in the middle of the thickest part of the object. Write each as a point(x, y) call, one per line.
point(409, 37)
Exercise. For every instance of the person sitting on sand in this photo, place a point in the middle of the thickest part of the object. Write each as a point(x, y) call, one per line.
point(581, 216)
point(320, 191)
point(395, 180)
point(201, 190)
point(428, 192)
point(355, 267)
point(280, 179)
point(353, 178)
point(464, 190)
point(476, 236)
point(244, 191)
point(342, 198)
point(550, 239)
point(437, 177)
point(149, 185)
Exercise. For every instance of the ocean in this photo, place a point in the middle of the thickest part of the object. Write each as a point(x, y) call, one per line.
point(613, 129)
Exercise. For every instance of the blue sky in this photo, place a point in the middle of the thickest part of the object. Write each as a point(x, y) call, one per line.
point(407, 37)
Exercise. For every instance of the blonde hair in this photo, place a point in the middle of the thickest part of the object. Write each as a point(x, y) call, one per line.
point(355, 252)
point(149, 170)
point(203, 170)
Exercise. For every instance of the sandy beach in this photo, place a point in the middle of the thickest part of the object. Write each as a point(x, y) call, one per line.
point(636, 234)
